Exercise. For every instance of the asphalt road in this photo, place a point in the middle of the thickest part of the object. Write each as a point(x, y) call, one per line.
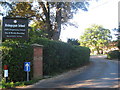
point(101, 73)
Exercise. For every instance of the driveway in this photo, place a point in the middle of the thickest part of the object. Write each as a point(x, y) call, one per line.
point(100, 73)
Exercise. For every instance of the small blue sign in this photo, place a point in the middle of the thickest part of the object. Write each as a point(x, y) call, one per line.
point(27, 66)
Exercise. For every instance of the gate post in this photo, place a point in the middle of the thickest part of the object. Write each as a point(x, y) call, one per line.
point(37, 61)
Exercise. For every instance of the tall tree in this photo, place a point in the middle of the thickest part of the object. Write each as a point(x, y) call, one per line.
point(58, 22)
point(50, 14)
point(59, 13)
point(95, 37)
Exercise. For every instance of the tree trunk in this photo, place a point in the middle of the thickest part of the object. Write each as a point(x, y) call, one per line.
point(56, 34)
point(46, 11)
point(98, 52)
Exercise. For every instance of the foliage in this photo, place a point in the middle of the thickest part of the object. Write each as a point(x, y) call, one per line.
point(0, 22)
point(73, 42)
point(47, 16)
point(95, 37)
point(118, 45)
point(22, 9)
point(0, 32)
point(112, 45)
point(114, 54)
point(14, 84)
point(118, 36)
point(59, 56)
point(118, 30)
point(14, 54)
point(34, 33)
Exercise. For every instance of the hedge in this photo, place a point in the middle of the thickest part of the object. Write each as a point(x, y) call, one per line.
point(57, 57)
point(14, 54)
point(114, 54)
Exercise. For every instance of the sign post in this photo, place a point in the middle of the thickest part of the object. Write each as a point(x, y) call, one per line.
point(6, 73)
point(27, 69)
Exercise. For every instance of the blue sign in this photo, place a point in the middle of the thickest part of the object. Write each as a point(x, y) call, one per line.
point(27, 66)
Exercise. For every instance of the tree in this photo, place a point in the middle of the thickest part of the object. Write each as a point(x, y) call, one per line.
point(7, 6)
point(57, 13)
point(22, 9)
point(118, 36)
point(0, 31)
point(118, 45)
point(65, 11)
point(73, 42)
point(50, 14)
point(96, 37)
point(0, 22)
point(118, 32)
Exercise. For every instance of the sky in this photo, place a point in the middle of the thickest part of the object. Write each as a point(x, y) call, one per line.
point(103, 12)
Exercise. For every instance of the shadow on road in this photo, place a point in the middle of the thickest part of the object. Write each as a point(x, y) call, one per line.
point(101, 73)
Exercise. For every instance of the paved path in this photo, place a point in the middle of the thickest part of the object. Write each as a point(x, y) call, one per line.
point(100, 73)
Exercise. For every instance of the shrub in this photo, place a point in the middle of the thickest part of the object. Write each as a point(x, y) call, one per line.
point(113, 54)
point(14, 54)
point(14, 84)
point(118, 45)
point(57, 57)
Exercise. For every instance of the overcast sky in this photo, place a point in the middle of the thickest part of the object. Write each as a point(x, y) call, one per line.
point(103, 12)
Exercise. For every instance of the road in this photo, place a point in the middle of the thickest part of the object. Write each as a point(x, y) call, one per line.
point(101, 73)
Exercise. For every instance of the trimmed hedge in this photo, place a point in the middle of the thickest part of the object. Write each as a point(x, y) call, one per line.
point(114, 55)
point(57, 57)
point(14, 54)
point(60, 56)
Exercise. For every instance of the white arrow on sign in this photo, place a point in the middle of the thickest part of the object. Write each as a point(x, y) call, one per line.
point(27, 65)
